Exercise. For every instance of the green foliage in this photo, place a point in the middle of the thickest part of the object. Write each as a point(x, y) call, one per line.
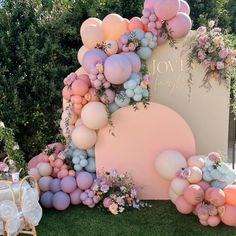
point(12, 149)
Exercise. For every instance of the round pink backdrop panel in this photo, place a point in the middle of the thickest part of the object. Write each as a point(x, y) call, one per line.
point(139, 137)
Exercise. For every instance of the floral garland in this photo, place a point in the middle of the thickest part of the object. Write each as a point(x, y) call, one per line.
point(12, 149)
point(210, 48)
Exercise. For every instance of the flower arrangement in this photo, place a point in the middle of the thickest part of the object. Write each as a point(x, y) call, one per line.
point(211, 49)
point(116, 192)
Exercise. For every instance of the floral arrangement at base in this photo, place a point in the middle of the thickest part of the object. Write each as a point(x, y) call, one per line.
point(211, 49)
point(117, 192)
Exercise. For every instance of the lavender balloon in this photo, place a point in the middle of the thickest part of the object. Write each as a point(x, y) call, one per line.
point(61, 201)
point(68, 184)
point(46, 199)
point(84, 180)
point(55, 185)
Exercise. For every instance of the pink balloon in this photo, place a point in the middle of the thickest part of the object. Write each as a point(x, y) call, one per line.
point(36, 160)
point(134, 60)
point(61, 201)
point(84, 180)
point(66, 93)
point(195, 175)
point(228, 214)
point(81, 71)
point(85, 78)
point(117, 69)
point(215, 196)
point(204, 185)
point(90, 21)
point(68, 184)
point(92, 57)
point(180, 25)
point(135, 23)
point(75, 197)
point(213, 221)
point(59, 147)
point(193, 194)
point(184, 7)
point(58, 163)
point(79, 87)
point(149, 3)
point(166, 9)
point(81, 53)
point(183, 206)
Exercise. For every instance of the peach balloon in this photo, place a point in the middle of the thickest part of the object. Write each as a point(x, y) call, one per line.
point(183, 206)
point(79, 87)
point(62, 173)
point(178, 185)
point(81, 71)
point(135, 23)
point(71, 173)
point(213, 221)
point(35, 172)
point(92, 35)
point(111, 47)
point(172, 195)
point(58, 163)
point(228, 214)
point(194, 194)
point(90, 21)
point(76, 99)
point(56, 170)
point(83, 137)
point(197, 161)
point(81, 53)
point(66, 93)
point(204, 185)
point(195, 175)
point(215, 196)
point(168, 163)
point(85, 78)
point(45, 169)
point(64, 166)
point(184, 7)
point(179, 26)
point(230, 194)
point(94, 115)
point(126, 23)
point(45, 158)
point(203, 222)
point(113, 26)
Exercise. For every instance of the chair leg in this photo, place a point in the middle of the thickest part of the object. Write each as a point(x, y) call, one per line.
point(3, 228)
point(34, 230)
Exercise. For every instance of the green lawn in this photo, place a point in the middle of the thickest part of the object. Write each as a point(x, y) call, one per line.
point(162, 219)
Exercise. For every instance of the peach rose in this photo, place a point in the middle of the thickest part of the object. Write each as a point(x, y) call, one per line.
point(113, 208)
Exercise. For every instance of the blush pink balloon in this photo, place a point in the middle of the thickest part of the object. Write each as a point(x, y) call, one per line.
point(117, 69)
point(75, 197)
point(204, 185)
point(85, 78)
point(90, 21)
point(79, 87)
point(215, 196)
point(166, 9)
point(135, 23)
point(92, 57)
point(84, 180)
point(81, 53)
point(68, 184)
point(179, 26)
point(45, 169)
point(134, 60)
point(213, 221)
point(228, 214)
point(193, 194)
point(149, 3)
point(178, 185)
point(183, 206)
point(197, 161)
point(58, 163)
point(76, 99)
point(184, 7)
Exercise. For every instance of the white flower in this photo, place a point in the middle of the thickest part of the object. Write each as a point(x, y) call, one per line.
point(123, 189)
point(16, 147)
point(121, 209)
point(2, 124)
point(211, 23)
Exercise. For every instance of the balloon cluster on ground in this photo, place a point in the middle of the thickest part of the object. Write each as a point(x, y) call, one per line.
point(201, 186)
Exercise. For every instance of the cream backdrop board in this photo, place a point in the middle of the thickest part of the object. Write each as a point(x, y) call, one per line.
point(206, 112)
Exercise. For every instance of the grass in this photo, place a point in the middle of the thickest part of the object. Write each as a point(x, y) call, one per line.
point(162, 219)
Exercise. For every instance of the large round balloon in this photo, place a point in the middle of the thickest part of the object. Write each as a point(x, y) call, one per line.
point(180, 25)
point(46, 199)
point(228, 214)
point(117, 69)
point(166, 9)
point(84, 180)
point(215, 196)
point(75, 197)
point(68, 184)
point(168, 163)
point(83, 137)
point(183, 206)
point(193, 194)
point(90, 21)
point(184, 7)
point(61, 201)
point(113, 26)
point(55, 185)
point(230, 194)
point(92, 57)
point(134, 60)
point(94, 115)
point(92, 35)
point(178, 185)
point(81, 53)
point(172, 195)
point(80, 71)
point(44, 183)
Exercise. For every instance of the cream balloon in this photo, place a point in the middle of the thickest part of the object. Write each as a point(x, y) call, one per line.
point(195, 175)
point(81, 53)
point(178, 185)
point(94, 115)
point(83, 137)
point(168, 163)
point(196, 161)
point(173, 196)
point(92, 35)
point(90, 21)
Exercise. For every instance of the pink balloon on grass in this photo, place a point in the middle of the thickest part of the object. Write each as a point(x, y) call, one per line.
point(183, 206)
point(92, 57)
point(184, 7)
point(194, 194)
point(117, 69)
point(46, 199)
point(75, 196)
point(134, 60)
point(180, 25)
point(68, 184)
point(84, 180)
point(61, 201)
point(166, 9)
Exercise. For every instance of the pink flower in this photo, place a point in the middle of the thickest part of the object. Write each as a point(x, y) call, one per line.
point(201, 30)
point(214, 156)
point(216, 30)
point(202, 40)
point(107, 202)
point(104, 188)
point(183, 173)
point(211, 23)
point(120, 201)
point(147, 78)
point(223, 53)
point(201, 55)
point(220, 65)
point(133, 193)
point(3, 167)
point(114, 173)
